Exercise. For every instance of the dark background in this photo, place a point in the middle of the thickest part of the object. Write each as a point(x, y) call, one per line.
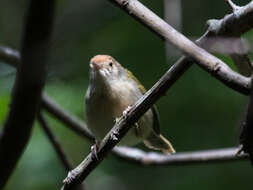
point(197, 113)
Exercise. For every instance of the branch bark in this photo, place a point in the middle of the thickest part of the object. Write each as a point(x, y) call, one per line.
point(224, 27)
point(30, 79)
point(210, 63)
point(131, 154)
point(229, 25)
point(195, 157)
point(204, 59)
point(77, 175)
point(239, 51)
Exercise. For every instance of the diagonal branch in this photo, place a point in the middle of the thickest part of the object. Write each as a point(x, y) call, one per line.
point(232, 5)
point(124, 124)
point(57, 147)
point(77, 175)
point(223, 27)
point(140, 157)
point(206, 60)
point(210, 63)
point(78, 126)
point(131, 154)
point(239, 51)
point(29, 82)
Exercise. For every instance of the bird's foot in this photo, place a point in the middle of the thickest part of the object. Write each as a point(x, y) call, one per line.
point(71, 176)
point(126, 111)
point(94, 150)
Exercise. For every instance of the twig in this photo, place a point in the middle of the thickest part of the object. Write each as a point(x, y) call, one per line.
point(77, 175)
point(232, 5)
point(241, 61)
point(135, 155)
point(120, 129)
point(213, 65)
point(28, 86)
point(196, 157)
point(57, 147)
point(229, 25)
point(130, 154)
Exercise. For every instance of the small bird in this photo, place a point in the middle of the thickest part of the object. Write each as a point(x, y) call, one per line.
point(112, 89)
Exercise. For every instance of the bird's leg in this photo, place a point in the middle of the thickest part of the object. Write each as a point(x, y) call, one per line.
point(126, 111)
point(137, 127)
point(71, 176)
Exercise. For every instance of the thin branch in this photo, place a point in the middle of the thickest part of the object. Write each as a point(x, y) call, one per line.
point(29, 82)
point(229, 25)
point(131, 154)
point(138, 156)
point(232, 5)
point(241, 61)
point(57, 147)
point(135, 155)
point(210, 63)
point(124, 124)
point(77, 175)
point(196, 157)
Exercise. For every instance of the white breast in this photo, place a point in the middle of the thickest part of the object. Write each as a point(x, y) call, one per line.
point(103, 108)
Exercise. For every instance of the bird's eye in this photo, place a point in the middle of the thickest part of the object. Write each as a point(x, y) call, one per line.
point(110, 64)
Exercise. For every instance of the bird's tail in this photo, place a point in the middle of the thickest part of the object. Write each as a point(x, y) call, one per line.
point(159, 142)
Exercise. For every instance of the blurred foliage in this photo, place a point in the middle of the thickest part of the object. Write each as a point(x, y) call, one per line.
point(198, 112)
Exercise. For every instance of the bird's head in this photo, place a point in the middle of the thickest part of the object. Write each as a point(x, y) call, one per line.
point(105, 68)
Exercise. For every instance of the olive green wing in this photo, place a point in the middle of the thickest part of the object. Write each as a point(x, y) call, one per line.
point(156, 121)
